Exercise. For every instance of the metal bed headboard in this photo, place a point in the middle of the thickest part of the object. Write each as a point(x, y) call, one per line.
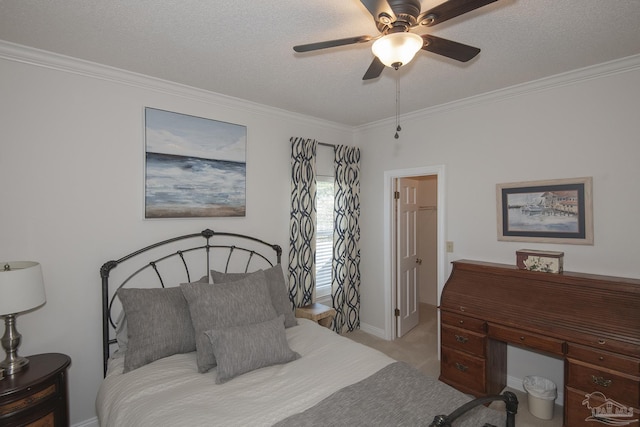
point(247, 250)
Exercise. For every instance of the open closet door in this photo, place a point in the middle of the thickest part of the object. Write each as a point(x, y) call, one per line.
point(407, 260)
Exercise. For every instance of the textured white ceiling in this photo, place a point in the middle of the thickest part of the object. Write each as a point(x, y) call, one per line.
point(244, 49)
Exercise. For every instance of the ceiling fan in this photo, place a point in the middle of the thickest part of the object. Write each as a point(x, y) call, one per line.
point(395, 19)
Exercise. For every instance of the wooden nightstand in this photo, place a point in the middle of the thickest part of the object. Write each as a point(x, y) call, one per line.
point(37, 395)
point(319, 313)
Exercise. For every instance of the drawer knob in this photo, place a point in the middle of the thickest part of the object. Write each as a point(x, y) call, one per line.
point(601, 381)
point(462, 368)
point(521, 338)
point(462, 322)
point(601, 358)
point(461, 339)
point(602, 342)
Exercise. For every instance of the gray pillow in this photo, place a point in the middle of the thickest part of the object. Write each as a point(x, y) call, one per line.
point(277, 289)
point(241, 349)
point(158, 325)
point(121, 327)
point(222, 306)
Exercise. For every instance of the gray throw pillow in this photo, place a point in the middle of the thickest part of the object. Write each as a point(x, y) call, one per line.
point(122, 336)
point(222, 306)
point(241, 349)
point(158, 325)
point(277, 290)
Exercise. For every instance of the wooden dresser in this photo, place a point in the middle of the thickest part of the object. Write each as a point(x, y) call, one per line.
point(590, 321)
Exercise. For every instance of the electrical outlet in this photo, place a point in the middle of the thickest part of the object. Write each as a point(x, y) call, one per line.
point(449, 247)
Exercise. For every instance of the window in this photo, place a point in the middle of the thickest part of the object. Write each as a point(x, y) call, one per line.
point(324, 234)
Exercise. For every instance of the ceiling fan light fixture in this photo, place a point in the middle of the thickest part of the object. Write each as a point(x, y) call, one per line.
point(397, 49)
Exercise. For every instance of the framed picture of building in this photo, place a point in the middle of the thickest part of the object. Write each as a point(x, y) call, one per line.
point(194, 167)
point(553, 211)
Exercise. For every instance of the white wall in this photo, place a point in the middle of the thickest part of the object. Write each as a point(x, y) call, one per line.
point(71, 168)
point(582, 124)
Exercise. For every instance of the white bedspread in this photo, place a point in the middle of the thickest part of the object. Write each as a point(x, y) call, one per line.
point(171, 392)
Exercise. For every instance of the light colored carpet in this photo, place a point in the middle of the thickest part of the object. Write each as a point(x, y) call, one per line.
point(419, 348)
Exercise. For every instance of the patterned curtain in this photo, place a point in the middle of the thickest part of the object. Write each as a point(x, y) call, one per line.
point(345, 289)
point(302, 224)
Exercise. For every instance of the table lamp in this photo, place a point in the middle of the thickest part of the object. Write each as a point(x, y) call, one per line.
point(21, 289)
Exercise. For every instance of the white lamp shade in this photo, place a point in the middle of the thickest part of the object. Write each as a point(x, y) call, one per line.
point(397, 48)
point(21, 286)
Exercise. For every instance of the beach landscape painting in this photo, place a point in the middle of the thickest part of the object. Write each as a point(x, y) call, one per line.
point(553, 211)
point(194, 167)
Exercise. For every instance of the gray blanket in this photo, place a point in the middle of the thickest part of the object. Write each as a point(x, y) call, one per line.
point(397, 395)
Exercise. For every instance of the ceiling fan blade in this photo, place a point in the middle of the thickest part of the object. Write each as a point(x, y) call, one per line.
point(380, 10)
point(374, 70)
point(450, 49)
point(332, 43)
point(450, 9)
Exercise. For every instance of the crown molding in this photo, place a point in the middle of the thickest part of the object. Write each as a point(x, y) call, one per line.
point(45, 59)
point(630, 63)
point(41, 58)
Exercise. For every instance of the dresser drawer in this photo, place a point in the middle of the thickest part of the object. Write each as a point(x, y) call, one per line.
point(614, 346)
point(464, 340)
point(615, 385)
point(463, 370)
point(29, 400)
point(604, 359)
point(581, 410)
point(462, 321)
point(46, 421)
point(527, 339)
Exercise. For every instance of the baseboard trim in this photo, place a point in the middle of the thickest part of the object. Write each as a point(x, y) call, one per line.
point(377, 332)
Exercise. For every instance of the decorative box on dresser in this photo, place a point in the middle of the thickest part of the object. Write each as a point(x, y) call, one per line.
point(37, 395)
point(592, 322)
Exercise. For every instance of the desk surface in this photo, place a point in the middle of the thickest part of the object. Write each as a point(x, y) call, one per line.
point(593, 310)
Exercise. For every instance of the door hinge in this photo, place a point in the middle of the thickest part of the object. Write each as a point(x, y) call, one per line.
point(396, 312)
point(396, 195)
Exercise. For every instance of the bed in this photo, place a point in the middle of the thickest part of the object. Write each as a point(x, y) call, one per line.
point(198, 330)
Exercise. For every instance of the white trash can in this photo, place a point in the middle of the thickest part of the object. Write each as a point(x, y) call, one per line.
point(541, 396)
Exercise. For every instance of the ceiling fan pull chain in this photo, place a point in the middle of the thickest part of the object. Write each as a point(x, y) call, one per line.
point(398, 128)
